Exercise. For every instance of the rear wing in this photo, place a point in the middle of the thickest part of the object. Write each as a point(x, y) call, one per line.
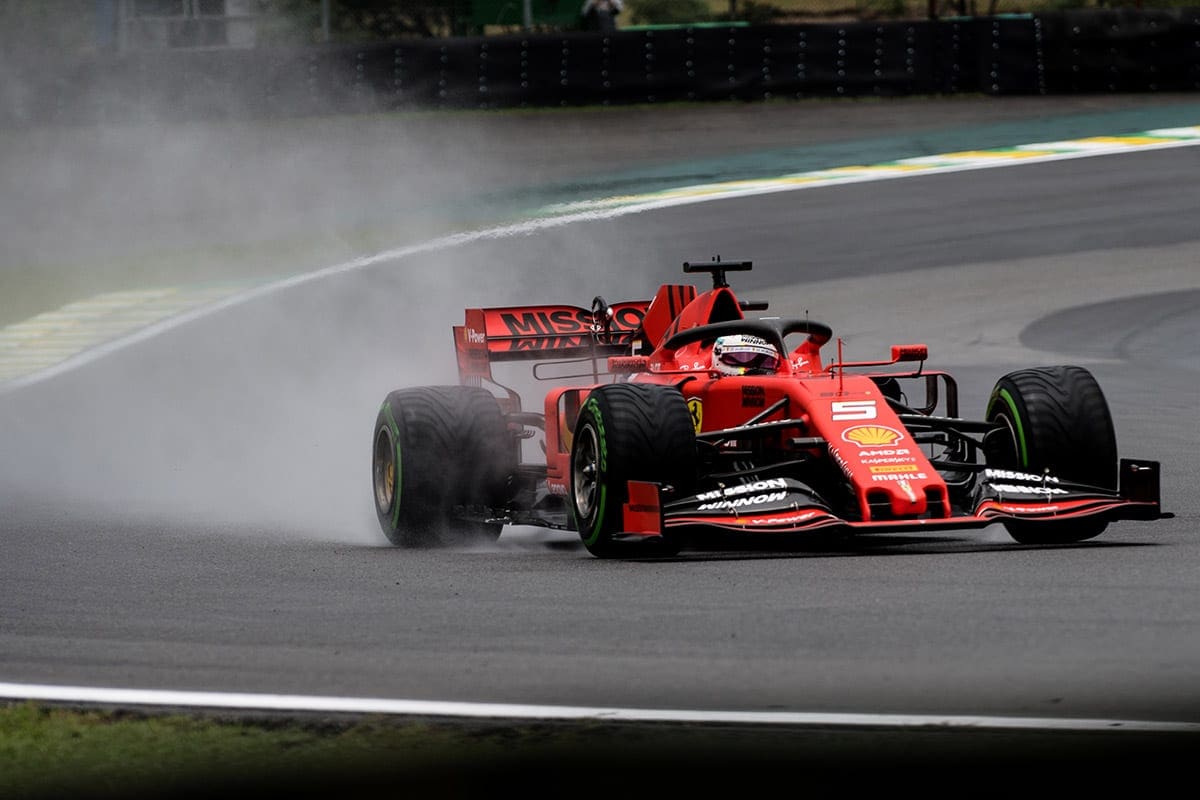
point(543, 333)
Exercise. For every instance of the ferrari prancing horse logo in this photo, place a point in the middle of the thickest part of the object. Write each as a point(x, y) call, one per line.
point(696, 408)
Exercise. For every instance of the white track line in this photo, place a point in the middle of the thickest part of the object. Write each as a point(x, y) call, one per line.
point(1164, 138)
point(507, 711)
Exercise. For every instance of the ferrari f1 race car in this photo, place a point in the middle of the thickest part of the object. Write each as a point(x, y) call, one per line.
point(680, 415)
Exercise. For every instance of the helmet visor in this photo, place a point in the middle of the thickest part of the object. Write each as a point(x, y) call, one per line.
point(750, 359)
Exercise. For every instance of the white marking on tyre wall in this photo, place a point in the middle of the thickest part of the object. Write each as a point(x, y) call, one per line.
point(514, 711)
point(59, 341)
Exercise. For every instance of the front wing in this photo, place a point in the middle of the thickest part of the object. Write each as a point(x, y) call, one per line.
point(784, 505)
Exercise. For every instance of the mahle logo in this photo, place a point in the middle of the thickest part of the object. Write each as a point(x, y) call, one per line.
point(872, 435)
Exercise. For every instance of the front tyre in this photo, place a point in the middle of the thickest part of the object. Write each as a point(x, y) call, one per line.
point(440, 453)
point(627, 431)
point(1053, 419)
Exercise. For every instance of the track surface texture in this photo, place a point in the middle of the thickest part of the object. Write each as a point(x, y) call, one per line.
point(194, 511)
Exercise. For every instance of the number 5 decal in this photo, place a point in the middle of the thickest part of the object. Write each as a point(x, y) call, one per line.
point(853, 409)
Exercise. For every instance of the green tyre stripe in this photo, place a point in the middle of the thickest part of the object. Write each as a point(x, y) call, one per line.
point(1008, 400)
point(603, 494)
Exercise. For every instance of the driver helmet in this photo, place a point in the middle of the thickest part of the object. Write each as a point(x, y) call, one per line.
point(743, 354)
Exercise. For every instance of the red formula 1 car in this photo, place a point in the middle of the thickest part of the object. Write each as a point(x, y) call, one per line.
point(681, 415)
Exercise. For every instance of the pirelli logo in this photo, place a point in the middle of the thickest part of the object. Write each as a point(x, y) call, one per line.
point(893, 468)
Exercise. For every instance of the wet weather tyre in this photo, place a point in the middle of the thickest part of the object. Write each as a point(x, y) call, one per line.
point(628, 432)
point(441, 459)
point(1053, 419)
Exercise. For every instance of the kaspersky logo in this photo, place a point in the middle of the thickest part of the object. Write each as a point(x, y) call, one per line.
point(872, 435)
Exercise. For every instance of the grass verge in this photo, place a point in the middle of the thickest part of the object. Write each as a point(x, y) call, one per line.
point(49, 751)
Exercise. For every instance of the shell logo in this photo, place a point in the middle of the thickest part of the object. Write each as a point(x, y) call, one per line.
point(872, 435)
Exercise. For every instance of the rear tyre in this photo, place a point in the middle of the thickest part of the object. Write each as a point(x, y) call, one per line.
point(439, 453)
point(1054, 419)
point(628, 431)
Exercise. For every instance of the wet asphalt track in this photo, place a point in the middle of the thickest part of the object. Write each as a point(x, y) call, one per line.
point(194, 512)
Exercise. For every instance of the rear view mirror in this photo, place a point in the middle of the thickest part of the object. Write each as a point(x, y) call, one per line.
point(628, 364)
point(910, 352)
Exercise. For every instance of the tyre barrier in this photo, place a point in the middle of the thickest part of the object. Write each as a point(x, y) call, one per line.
point(1067, 52)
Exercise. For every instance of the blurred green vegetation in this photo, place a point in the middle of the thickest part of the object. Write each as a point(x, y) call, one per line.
point(49, 752)
point(301, 21)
